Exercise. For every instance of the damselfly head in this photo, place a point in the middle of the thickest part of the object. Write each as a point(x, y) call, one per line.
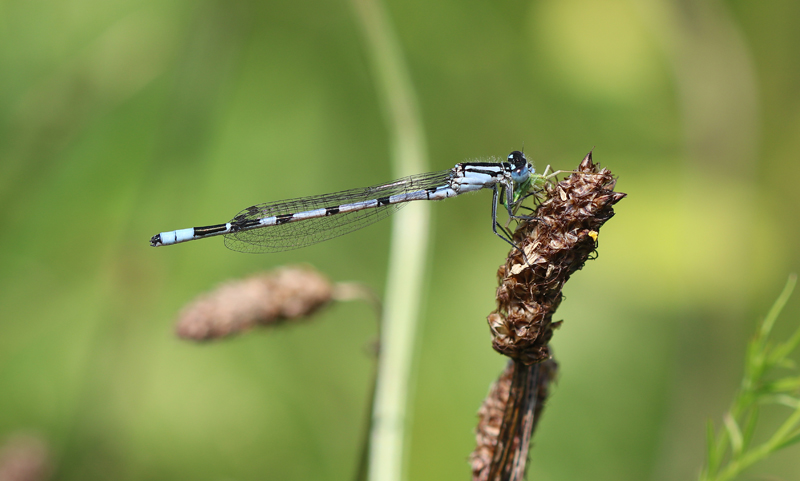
point(522, 168)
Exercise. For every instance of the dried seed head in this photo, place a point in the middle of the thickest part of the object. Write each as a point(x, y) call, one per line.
point(555, 246)
point(24, 457)
point(285, 294)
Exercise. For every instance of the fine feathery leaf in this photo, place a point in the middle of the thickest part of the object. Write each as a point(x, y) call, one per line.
point(772, 315)
point(784, 385)
point(761, 357)
point(735, 434)
point(793, 439)
point(749, 426)
point(711, 448)
point(782, 350)
point(783, 400)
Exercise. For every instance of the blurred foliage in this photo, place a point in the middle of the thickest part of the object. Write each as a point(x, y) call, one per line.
point(120, 119)
point(768, 381)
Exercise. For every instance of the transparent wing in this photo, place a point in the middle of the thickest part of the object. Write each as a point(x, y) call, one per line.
point(302, 233)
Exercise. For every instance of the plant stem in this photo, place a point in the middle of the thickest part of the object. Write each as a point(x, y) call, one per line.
point(408, 251)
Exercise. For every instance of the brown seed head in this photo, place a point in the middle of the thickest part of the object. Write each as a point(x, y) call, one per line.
point(266, 299)
point(555, 246)
point(24, 457)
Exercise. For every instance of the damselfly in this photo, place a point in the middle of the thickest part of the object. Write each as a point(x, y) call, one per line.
point(296, 223)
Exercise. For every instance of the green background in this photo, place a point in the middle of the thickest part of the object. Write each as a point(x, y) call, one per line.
point(120, 119)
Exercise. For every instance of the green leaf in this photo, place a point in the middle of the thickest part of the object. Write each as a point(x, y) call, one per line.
point(794, 438)
point(711, 448)
point(772, 315)
point(783, 385)
point(735, 434)
point(750, 426)
point(782, 399)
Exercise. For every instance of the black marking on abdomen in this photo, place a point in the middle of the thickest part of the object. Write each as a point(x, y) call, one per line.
point(240, 225)
point(212, 229)
point(331, 210)
point(282, 219)
point(383, 201)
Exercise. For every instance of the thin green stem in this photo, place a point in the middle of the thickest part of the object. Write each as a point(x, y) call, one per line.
point(408, 252)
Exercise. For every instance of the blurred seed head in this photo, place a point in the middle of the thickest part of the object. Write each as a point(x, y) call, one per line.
point(286, 294)
point(24, 457)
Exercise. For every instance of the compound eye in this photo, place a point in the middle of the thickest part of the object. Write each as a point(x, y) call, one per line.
point(518, 159)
